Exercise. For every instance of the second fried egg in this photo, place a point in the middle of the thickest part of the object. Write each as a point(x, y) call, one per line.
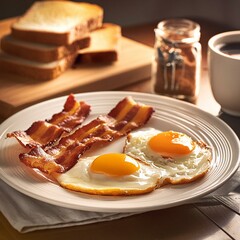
point(178, 158)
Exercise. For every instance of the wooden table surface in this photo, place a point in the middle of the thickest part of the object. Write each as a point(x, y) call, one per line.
point(192, 221)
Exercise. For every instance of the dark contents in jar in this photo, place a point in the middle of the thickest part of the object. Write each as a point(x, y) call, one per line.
point(176, 70)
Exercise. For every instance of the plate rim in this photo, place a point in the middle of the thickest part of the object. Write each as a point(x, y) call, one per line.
point(120, 95)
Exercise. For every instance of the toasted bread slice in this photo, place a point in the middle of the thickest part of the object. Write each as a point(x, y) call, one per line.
point(40, 52)
point(35, 70)
point(104, 46)
point(57, 22)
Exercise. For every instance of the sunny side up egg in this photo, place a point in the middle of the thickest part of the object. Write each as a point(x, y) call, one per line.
point(177, 157)
point(110, 174)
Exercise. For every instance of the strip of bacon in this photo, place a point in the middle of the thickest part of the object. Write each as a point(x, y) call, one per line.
point(72, 115)
point(126, 116)
point(42, 133)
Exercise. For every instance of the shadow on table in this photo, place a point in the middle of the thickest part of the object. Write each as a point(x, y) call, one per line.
point(232, 121)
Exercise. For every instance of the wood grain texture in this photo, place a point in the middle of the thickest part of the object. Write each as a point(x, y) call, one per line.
point(169, 224)
point(223, 217)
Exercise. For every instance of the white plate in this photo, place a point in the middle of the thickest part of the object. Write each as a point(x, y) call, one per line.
point(169, 114)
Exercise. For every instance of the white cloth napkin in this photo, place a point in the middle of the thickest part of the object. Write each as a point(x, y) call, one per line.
point(26, 214)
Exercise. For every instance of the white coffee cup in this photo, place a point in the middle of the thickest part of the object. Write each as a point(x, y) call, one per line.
point(224, 70)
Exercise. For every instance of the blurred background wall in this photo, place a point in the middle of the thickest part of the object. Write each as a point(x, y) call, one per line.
point(133, 12)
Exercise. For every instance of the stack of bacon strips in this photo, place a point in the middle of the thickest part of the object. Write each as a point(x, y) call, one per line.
point(45, 133)
point(126, 116)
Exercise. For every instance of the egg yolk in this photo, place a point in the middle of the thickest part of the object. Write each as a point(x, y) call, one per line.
point(171, 144)
point(114, 164)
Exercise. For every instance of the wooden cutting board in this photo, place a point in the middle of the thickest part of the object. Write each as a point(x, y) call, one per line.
point(17, 92)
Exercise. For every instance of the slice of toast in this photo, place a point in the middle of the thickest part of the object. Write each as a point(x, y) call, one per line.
point(40, 52)
point(57, 22)
point(35, 70)
point(104, 46)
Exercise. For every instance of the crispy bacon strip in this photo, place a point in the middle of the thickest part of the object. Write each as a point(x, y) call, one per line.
point(42, 133)
point(72, 115)
point(126, 116)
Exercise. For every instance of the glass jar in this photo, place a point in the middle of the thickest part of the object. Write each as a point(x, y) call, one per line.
point(177, 59)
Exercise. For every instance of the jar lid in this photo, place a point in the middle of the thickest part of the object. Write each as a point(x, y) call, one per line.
point(178, 30)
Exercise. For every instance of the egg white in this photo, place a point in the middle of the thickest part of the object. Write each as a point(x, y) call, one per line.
point(81, 178)
point(175, 170)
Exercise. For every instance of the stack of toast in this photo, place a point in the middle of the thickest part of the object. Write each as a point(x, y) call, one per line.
point(53, 35)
